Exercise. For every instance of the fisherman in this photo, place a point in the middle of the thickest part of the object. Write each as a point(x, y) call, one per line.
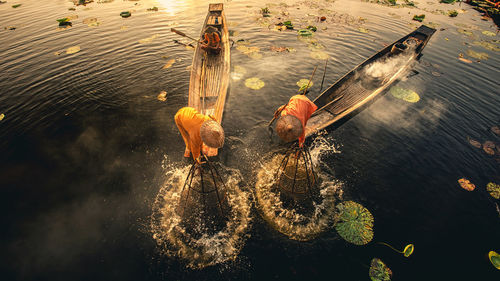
point(199, 131)
point(211, 41)
point(294, 115)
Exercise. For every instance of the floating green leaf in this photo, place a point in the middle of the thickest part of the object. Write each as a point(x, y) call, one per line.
point(72, 50)
point(63, 20)
point(494, 190)
point(487, 45)
point(379, 271)
point(312, 28)
point(452, 13)
point(354, 223)
point(477, 55)
point(364, 30)
point(125, 14)
point(405, 94)
point(419, 18)
point(494, 259)
point(16, 5)
point(254, 83)
point(2, 116)
point(447, 1)
point(154, 9)
point(466, 184)
point(304, 32)
point(302, 83)
point(408, 250)
point(488, 33)
point(288, 24)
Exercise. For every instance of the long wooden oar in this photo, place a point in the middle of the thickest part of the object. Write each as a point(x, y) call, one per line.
point(303, 93)
point(183, 34)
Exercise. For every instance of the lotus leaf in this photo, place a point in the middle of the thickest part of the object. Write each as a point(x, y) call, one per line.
point(312, 28)
point(494, 259)
point(364, 30)
point(319, 55)
point(466, 184)
point(302, 83)
point(489, 33)
point(494, 190)
point(16, 5)
point(379, 271)
point(304, 32)
point(355, 223)
point(452, 13)
point(125, 14)
point(288, 24)
point(419, 18)
point(477, 55)
point(2, 116)
point(487, 45)
point(496, 130)
point(168, 64)
point(408, 250)
point(254, 83)
point(464, 31)
point(63, 20)
point(474, 143)
point(405, 94)
point(162, 96)
point(72, 50)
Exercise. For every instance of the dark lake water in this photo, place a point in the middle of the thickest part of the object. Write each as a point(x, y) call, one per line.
point(85, 145)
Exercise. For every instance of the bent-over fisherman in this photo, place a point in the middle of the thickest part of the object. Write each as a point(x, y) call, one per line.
point(293, 118)
point(200, 132)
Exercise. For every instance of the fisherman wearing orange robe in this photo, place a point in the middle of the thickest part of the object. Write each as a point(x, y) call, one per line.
point(294, 115)
point(211, 40)
point(198, 131)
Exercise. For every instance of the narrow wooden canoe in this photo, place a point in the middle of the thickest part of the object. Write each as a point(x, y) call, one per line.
point(364, 83)
point(210, 72)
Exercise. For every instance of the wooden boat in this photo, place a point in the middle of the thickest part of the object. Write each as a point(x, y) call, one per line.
point(368, 80)
point(210, 71)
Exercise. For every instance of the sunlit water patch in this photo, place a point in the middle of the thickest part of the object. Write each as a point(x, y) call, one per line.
point(195, 244)
point(295, 222)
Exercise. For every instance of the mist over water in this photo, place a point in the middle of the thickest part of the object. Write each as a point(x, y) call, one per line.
point(91, 160)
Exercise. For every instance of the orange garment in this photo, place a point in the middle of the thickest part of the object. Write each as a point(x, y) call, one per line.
point(302, 108)
point(212, 39)
point(189, 122)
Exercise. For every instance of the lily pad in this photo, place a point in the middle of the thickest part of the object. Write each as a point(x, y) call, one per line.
point(2, 116)
point(419, 18)
point(319, 55)
point(452, 13)
point(168, 64)
point(125, 14)
point(162, 96)
point(364, 30)
point(474, 143)
point(254, 83)
point(496, 130)
point(494, 190)
point(494, 259)
point(379, 271)
point(354, 223)
point(466, 184)
point(405, 94)
point(487, 45)
point(477, 55)
point(489, 33)
point(72, 50)
point(464, 31)
point(16, 6)
point(408, 250)
point(304, 32)
point(302, 83)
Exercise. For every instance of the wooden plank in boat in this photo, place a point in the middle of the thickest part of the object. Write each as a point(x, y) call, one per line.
point(216, 7)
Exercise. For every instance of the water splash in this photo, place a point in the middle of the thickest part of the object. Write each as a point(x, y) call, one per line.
point(193, 244)
point(290, 221)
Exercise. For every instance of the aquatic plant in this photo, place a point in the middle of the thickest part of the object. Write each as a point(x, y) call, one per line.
point(466, 184)
point(477, 55)
point(2, 116)
point(63, 20)
point(452, 13)
point(494, 190)
point(379, 271)
point(254, 83)
point(16, 6)
point(354, 223)
point(494, 259)
point(405, 94)
point(288, 24)
point(312, 28)
point(407, 251)
point(265, 12)
point(488, 33)
point(419, 18)
point(125, 14)
point(72, 50)
point(304, 84)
